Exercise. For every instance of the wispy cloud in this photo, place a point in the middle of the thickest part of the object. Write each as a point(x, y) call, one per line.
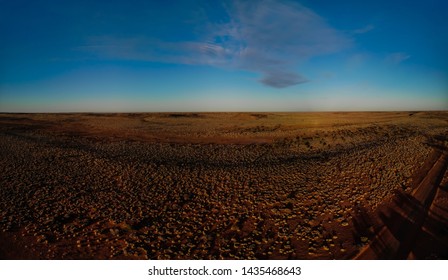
point(272, 38)
point(357, 60)
point(268, 37)
point(363, 30)
point(396, 58)
point(282, 79)
point(144, 49)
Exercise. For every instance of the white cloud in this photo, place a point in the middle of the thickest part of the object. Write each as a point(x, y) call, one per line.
point(397, 58)
point(363, 30)
point(272, 38)
point(357, 60)
point(267, 37)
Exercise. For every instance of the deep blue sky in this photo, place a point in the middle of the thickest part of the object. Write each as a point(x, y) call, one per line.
point(58, 56)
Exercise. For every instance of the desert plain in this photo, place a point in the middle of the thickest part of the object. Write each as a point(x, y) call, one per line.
point(363, 185)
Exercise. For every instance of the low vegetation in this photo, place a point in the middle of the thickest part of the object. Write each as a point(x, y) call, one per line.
point(203, 186)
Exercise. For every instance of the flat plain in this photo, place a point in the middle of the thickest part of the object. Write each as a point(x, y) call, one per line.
point(224, 185)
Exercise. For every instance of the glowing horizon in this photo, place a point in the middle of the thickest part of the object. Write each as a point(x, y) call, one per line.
point(229, 56)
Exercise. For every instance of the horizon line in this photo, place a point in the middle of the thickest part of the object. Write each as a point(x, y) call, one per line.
point(211, 112)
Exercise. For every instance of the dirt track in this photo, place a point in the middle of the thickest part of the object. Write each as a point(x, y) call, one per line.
point(410, 228)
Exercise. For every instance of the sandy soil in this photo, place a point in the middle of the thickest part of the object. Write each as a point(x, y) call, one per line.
point(220, 185)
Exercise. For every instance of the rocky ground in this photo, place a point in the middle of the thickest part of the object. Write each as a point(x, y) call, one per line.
point(87, 194)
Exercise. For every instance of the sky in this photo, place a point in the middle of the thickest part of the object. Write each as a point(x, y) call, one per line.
point(235, 55)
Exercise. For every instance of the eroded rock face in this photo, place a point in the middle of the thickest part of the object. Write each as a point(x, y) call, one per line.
point(68, 195)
